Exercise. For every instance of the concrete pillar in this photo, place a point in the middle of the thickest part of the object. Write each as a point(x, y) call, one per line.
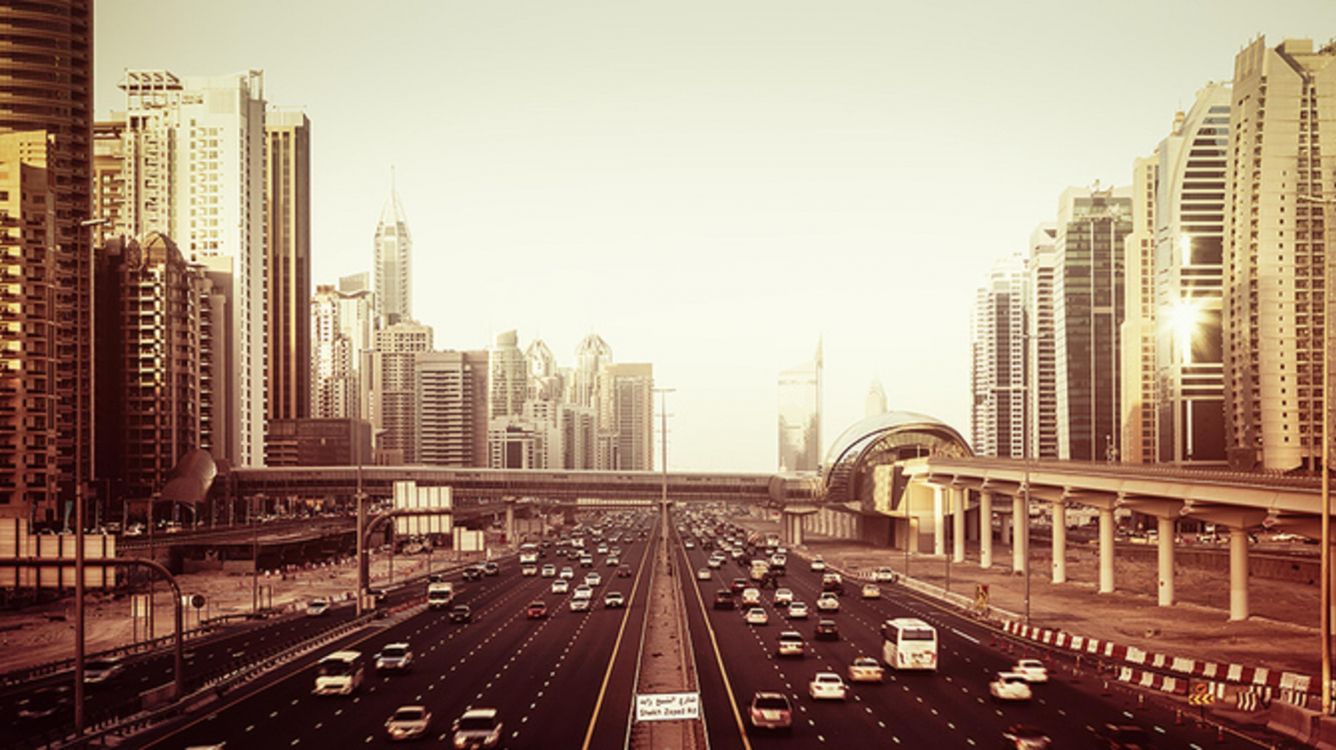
point(1106, 550)
point(985, 529)
point(958, 524)
point(1019, 533)
point(1165, 529)
point(1059, 542)
point(510, 524)
point(796, 531)
point(938, 521)
point(1007, 526)
point(1238, 574)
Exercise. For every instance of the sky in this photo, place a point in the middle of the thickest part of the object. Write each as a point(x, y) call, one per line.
point(711, 186)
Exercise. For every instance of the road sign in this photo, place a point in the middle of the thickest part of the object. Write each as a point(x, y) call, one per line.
point(1201, 695)
point(981, 596)
point(667, 706)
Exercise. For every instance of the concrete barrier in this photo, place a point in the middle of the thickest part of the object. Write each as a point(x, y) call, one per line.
point(1293, 721)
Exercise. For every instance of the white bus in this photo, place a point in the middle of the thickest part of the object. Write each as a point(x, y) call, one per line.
point(528, 554)
point(908, 643)
point(340, 673)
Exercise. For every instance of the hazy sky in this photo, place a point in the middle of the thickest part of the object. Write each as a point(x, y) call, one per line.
point(711, 186)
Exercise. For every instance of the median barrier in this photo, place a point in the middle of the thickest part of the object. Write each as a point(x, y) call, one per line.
point(1293, 721)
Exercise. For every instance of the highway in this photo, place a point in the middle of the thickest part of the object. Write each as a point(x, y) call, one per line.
point(562, 681)
point(949, 708)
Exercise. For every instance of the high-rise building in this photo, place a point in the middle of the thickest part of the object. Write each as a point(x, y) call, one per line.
point(358, 319)
point(1274, 251)
point(800, 416)
point(287, 198)
point(1041, 359)
point(317, 442)
point(452, 417)
point(154, 364)
point(1189, 240)
point(507, 381)
point(874, 405)
point(334, 386)
point(195, 171)
point(1088, 299)
point(394, 263)
point(46, 118)
point(590, 357)
point(109, 189)
point(627, 416)
point(394, 387)
point(998, 353)
point(1137, 336)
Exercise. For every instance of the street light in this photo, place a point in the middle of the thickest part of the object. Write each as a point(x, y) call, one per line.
point(663, 445)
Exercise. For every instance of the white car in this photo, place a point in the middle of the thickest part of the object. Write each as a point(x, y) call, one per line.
point(791, 643)
point(580, 605)
point(751, 596)
point(828, 602)
point(1010, 686)
point(703, 574)
point(561, 586)
point(827, 686)
point(408, 722)
point(583, 591)
point(871, 591)
point(1032, 670)
point(783, 597)
point(798, 611)
point(689, 544)
point(593, 579)
point(613, 600)
point(102, 669)
point(883, 575)
point(317, 608)
point(715, 562)
point(866, 669)
point(394, 657)
point(529, 570)
point(549, 571)
point(817, 565)
point(567, 573)
point(756, 616)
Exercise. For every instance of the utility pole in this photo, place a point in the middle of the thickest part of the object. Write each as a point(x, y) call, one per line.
point(663, 444)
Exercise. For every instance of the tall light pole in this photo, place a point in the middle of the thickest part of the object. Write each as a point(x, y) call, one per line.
point(663, 440)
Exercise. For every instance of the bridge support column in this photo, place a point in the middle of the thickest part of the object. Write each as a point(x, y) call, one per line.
point(1059, 542)
point(1007, 528)
point(1106, 550)
point(1238, 573)
point(958, 495)
point(510, 523)
point(1164, 528)
point(1020, 533)
point(985, 529)
point(938, 521)
point(795, 530)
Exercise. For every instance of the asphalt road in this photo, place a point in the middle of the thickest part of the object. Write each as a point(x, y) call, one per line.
point(559, 682)
point(948, 708)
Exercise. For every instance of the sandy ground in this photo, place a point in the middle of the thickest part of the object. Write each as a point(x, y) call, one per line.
point(46, 633)
point(1281, 634)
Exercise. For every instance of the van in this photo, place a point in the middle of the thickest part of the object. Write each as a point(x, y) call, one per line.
point(340, 673)
point(439, 595)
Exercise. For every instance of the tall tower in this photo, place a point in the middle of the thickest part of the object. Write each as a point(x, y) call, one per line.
point(1042, 437)
point(874, 405)
point(394, 401)
point(1137, 336)
point(452, 408)
point(507, 383)
point(333, 384)
point(998, 348)
point(394, 262)
point(628, 403)
point(1088, 299)
point(46, 392)
point(800, 415)
point(288, 208)
point(1274, 322)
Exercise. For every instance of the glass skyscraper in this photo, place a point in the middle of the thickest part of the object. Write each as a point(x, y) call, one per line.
point(800, 416)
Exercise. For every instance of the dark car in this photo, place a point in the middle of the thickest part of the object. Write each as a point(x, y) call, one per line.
point(738, 585)
point(623, 572)
point(44, 702)
point(491, 568)
point(536, 610)
point(472, 572)
point(461, 613)
point(1123, 737)
point(826, 630)
point(380, 595)
point(436, 578)
point(723, 599)
point(1025, 737)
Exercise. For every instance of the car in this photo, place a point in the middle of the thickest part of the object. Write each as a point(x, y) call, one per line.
point(580, 605)
point(593, 579)
point(613, 600)
point(783, 597)
point(828, 602)
point(1123, 737)
point(583, 591)
point(602, 549)
point(536, 610)
point(561, 586)
point(827, 686)
point(528, 570)
point(756, 616)
point(435, 578)
point(1025, 737)
point(549, 571)
point(408, 722)
point(613, 562)
point(751, 596)
point(379, 596)
point(832, 582)
point(1032, 670)
point(491, 568)
point(866, 669)
point(703, 574)
point(817, 564)
point(567, 572)
point(689, 544)
point(723, 599)
point(770, 710)
point(394, 657)
point(1010, 686)
point(883, 575)
point(738, 585)
point(791, 644)
point(473, 573)
point(826, 630)
point(477, 729)
point(586, 562)
point(871, 591)
point(100, 670)
point(797, 611)
point(461, 613)
point(714, 562)
point(623, 572)
point(317, 608)
point(45, 701)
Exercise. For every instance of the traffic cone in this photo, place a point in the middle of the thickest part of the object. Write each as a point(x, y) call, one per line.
point(1219, 733)
point(1178, 717)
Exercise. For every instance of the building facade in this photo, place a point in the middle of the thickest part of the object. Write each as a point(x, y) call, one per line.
point(627, 418)
point(394, 387)
point(1137, 336)
point(997, 418)
point(1274, 248)
point(317, 442)
point(507, 377)
point(287, 199)
point(393, 263)
point(1041, 358)
point(334, 386)
point(800, 416)
point(452, 419)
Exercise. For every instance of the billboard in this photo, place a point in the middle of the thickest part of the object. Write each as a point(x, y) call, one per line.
point(409, 496)
point(16, 542)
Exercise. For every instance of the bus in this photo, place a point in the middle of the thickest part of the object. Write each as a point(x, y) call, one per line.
point(340, 673)
point(908, 643)
point(528, 554)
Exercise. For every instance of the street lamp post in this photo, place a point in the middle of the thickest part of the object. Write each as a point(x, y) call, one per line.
point(663, 445)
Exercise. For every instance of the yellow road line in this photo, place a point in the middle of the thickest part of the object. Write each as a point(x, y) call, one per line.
point(607, 675)
point(718, 658)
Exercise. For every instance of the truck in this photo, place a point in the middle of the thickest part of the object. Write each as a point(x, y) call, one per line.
point(439, 595)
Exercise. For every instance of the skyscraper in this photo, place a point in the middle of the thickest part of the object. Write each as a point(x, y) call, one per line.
point(394, 263)
point(1189, 239)
point(1137, 336)
point(627, 392)
point(393, 398)
point(998, 353)
point(800, 416)
point(334, 387)
point(1041, 359)
point(1274, 322)
point(507, 382)
point(288, 242)
point(590, 356)
point(874, 404)
point(1088, 299)
point(452, 417)
point(46, 117)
